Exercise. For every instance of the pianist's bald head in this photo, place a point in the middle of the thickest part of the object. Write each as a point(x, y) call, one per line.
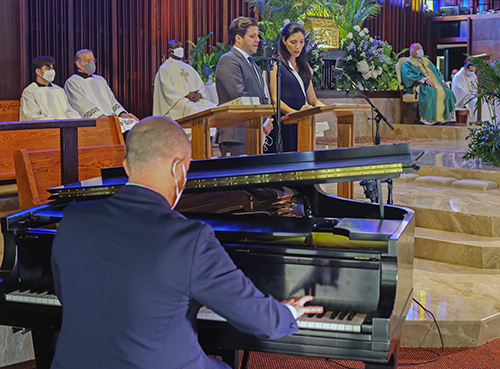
point(156, 141)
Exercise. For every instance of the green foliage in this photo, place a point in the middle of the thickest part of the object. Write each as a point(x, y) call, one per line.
point(347, 14)
point(274, 14)
point(206, 63)
point(484, 143)
point(485, 137)
point(488, 83)
point(370, 62)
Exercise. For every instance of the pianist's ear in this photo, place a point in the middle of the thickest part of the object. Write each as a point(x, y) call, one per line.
point(125, 166)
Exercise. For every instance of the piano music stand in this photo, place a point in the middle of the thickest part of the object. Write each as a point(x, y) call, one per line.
point(306, 128)
point(226, 116)
point(69, 141)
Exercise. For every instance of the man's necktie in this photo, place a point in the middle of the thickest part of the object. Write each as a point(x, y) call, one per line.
point(259, 77)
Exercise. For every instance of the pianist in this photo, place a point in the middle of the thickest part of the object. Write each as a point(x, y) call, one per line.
point(131, 273)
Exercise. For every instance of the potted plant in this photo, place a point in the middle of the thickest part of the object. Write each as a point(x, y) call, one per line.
point(485, 136)
point(206, 63)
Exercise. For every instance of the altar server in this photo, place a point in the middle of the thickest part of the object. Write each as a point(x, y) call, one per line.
point(90, 95)
point(178, 89)
point(42, 99)
point(464, 86)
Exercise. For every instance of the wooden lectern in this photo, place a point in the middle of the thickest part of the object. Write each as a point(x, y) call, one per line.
point(306, 130)
point(226, 116)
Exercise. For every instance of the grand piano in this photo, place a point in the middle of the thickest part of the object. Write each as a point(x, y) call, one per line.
point(287, 234)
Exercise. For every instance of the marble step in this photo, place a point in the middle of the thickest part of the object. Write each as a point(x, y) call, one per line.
point(443, 132)
point(457, 248)
point(493, 174)
point(472, 212)
point(464, 300)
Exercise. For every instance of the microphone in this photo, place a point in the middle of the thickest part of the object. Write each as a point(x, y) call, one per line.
point(267, 60)
point(337, 72)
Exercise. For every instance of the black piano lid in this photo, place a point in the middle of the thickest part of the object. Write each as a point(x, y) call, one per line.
point(294, 168)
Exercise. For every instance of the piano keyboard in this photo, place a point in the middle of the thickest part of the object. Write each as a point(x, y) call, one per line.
point(31, 296)
point(340, 321)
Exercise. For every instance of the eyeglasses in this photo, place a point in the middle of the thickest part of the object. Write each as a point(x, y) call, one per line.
point(90, 61)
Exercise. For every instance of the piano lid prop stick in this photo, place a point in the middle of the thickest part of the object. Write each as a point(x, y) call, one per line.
point(380, 199)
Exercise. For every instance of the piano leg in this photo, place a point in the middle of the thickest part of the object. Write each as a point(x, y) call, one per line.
point(231, 358)
point(44, 344)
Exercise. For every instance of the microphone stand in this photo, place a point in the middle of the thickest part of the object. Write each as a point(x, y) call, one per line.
point(372, 188)
point(378, 117)
point(268, 66)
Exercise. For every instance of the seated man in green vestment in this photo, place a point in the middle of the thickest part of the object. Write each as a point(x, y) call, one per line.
point(435, 100)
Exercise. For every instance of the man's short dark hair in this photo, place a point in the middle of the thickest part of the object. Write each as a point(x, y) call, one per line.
point(41, 61)
point(239, 26)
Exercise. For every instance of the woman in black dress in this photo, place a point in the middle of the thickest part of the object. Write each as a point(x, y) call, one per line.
point(297, 92)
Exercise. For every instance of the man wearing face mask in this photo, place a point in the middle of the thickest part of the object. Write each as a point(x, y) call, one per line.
point(178, 89)
point(435, 100)
point(464, 86)
point(90, 95)
point(42, 99)
point(131, 273)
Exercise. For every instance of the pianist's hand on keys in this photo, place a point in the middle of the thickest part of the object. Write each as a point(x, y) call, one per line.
point(298, 304)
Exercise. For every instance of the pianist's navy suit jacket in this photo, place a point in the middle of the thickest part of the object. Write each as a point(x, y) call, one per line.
point(131, 274)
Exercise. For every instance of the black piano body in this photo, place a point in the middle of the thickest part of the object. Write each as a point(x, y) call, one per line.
point(287, 234)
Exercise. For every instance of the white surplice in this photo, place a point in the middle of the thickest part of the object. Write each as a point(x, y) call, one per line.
point(174, 80)
point(92, 97)
point(464, 86)
point(45, 103)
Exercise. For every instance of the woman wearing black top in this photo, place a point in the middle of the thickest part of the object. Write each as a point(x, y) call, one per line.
point(297, 92)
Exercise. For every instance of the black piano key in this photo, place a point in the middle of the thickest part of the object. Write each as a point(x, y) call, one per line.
point(321, 315)
point(334, 314)
point(343, 314)
point(311, 315)
point(24, 288)
point(351, 315)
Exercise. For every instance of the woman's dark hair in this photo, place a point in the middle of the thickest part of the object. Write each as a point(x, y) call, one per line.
point(284, 54)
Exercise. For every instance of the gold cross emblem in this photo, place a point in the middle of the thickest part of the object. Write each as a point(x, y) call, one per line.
point(184, 74)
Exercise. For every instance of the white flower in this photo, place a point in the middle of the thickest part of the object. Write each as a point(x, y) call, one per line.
point(363, 55)
point(357, 28)
point(362, 34)
point(371, 39)
point(301, 22)
point(316, 68)
point(365, 30)
point(367, 75)
point(349, 35)
point(349, 57)
point(362, 66)
point(286, 21)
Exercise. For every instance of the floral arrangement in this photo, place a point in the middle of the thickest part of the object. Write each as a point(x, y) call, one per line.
point(369, 62)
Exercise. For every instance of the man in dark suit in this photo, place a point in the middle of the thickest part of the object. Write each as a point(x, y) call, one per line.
point(131, 273)
point(237, 75)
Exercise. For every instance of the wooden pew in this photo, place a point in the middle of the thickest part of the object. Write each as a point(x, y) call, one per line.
point(9, 110)
point(37, 171)
point(106, 132)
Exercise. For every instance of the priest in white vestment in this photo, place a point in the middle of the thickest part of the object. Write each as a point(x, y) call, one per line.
point(42, 99)
point(464, 86)
point(90, 95)
point(178, 89)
